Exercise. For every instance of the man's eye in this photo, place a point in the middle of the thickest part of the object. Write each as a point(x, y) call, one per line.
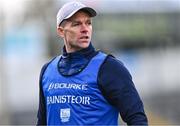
point(75, 24)
point(89, 23)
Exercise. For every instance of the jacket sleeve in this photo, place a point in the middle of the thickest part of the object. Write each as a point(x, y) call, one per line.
point(118, 88)
point(42, 107)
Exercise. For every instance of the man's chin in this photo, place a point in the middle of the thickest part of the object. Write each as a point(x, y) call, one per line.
point(80, 46)
point(84, 45)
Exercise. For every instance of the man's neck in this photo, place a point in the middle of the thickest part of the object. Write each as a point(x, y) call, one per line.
point(86, 52)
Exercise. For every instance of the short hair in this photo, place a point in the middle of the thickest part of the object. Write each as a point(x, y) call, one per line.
point(63, 23)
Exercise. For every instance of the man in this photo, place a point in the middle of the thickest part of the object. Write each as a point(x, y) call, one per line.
point(83, 86)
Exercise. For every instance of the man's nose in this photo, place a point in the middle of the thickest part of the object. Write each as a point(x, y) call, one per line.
point(84, 28)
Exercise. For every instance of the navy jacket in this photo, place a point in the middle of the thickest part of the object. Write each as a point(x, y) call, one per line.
point(114, 81)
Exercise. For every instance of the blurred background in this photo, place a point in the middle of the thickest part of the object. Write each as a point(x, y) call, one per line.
point(143, 34)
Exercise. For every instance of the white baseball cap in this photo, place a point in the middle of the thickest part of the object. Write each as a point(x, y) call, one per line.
point(69, 9)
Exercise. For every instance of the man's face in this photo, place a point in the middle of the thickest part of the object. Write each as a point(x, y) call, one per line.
point(77, 32)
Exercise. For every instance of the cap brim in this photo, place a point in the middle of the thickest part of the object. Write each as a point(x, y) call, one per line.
point(91, 11)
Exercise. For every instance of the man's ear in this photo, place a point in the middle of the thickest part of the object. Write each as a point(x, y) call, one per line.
point(60, 31)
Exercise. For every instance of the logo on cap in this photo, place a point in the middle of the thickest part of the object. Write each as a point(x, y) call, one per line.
point(77, 4)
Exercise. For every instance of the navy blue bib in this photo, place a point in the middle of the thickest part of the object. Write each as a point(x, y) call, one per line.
point(76, 100)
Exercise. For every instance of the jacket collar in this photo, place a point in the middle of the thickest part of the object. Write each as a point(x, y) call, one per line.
point(86, 53)
point(73, 63)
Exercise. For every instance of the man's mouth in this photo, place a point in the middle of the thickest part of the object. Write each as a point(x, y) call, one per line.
point(84, 37)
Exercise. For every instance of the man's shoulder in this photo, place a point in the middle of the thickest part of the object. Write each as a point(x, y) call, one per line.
point(47, 63)
point(112, 61)
point(113, 66)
